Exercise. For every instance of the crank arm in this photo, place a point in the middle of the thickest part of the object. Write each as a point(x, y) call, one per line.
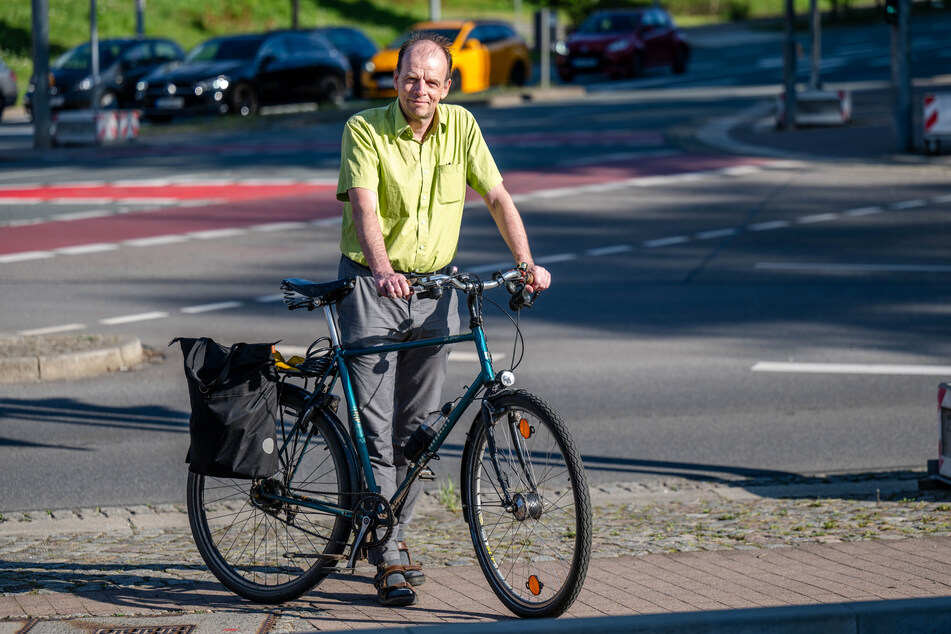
point(355, 548)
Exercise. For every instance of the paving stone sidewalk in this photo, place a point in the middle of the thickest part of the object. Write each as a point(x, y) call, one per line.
point(660, 546)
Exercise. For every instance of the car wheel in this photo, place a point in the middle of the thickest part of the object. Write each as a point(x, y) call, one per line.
point(332, 90)
point(679, 65)
point(517, 74)
point(109, 101)
point(244, 100)
point(456, 79)
point(637, 65)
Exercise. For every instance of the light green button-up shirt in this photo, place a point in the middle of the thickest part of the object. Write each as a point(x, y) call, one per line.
point(420, 186)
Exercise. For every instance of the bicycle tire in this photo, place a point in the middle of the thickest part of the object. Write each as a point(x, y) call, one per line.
point(272, 552)
point(535, 565)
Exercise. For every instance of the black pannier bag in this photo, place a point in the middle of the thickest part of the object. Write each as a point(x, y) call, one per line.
point(233, 394)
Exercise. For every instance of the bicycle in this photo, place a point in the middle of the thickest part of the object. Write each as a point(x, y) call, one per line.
point(524, 493)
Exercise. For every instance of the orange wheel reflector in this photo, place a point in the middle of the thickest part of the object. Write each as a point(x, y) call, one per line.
point(525, 429)
point(534, 585)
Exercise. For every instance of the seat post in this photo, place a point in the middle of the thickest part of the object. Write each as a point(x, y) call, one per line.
point(332, 325)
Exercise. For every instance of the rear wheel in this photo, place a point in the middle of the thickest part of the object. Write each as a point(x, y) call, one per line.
point(517, 75)
point(534, 551)
point(679, 64)
point(266, 549)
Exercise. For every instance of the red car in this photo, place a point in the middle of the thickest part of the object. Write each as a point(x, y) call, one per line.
point(623, 43)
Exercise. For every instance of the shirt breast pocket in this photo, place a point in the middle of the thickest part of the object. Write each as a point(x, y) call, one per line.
point(450, 183)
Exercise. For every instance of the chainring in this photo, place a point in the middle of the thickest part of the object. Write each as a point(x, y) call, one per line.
point(378, 509)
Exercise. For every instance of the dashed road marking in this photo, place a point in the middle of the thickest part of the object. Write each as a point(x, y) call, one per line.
point(852, 368)
point(128, 319)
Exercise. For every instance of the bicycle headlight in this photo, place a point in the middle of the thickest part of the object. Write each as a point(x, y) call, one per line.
point(507, 378)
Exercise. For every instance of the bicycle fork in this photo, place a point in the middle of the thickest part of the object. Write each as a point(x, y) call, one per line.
point(510, 503)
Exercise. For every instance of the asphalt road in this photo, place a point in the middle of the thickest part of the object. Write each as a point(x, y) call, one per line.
point(680, 275)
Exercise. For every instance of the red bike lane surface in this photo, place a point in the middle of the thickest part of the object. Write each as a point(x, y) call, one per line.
point(246, 207)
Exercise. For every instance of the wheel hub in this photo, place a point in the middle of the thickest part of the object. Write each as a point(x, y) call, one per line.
point(527, 505)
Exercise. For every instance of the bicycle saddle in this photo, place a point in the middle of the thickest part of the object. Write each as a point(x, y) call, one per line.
point(322, 294)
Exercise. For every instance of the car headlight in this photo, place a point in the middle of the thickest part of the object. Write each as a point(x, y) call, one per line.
point(619, 45)
point(221, 83)
point(142, 86)
point(217, 84)
point(561, 48)
point(369, 67)
point(85, 84)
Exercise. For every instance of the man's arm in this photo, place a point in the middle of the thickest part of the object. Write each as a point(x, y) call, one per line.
point(365, 221)
point(509, 222)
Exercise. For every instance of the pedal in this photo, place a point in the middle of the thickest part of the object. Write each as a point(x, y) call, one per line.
point(427, 475)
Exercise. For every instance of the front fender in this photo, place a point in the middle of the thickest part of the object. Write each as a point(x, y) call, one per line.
point(468, 449)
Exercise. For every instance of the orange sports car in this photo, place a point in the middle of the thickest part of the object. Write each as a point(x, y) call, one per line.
point(484, 53)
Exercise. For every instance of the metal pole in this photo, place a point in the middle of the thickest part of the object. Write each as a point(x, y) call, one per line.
point(814, 83)
point(545, 46)
point(901, 77)
point(41, 68)
point(94, 53)
point(434, 10)
point(140, 17)
point(789, 68)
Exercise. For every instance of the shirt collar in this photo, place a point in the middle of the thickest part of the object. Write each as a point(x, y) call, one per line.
point(401, 127)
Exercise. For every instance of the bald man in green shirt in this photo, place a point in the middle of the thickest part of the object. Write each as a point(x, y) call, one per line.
point(403, 177)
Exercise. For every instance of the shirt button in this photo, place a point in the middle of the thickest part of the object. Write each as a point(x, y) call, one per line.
point(422, 247)
point(422, 222)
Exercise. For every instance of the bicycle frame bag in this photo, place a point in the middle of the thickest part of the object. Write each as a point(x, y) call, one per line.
point(233, 394)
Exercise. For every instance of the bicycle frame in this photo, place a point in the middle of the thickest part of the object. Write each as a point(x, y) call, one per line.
point(341, 354)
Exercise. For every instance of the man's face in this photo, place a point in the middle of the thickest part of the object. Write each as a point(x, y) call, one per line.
point(421, 81)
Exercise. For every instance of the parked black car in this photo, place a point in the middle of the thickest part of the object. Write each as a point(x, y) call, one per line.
point(353, 43)
point(122, 63)
point(8, 87)
point(239, 74)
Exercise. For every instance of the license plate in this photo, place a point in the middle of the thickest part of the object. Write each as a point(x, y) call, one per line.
point(170, 103)
point(57, 101)
point(584, 62)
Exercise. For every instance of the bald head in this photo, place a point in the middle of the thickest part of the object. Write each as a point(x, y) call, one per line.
point(426, 43)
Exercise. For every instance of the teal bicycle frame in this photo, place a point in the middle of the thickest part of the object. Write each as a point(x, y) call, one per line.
point(341, 354)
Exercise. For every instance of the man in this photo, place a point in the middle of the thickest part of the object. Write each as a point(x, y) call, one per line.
point(403, 175)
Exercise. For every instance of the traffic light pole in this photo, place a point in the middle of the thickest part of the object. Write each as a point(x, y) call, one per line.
point(41, 68)
point(901, 76)
point(789, 68)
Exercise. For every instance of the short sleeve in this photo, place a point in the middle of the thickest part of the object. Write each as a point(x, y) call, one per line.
point(483, 174)
point(359, 159)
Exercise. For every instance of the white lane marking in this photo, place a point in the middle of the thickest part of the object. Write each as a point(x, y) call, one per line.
point(84, 249)
point(128, 319)
point(852, 368)
point(560, 257)
point(947, 197)
point(664, 242)
point(269, 298)
point(767, 226)
point(278, 226)
point(612, 250)
point(858, 268)
point(26, 256)
point(863, 211)
point(715, 233)
point(212, 234)
point(808, 220)
point(908, 204)
point(156, 241)
point(51, 330)
point(207, 308)
point(21, 201)
point(327, 222)
point(82, 215)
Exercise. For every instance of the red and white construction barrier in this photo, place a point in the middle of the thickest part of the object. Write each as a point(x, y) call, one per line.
point(817, 107)
point(94, 127)
point(937, 121)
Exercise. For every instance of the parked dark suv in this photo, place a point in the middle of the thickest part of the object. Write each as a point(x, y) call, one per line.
point(122, 63)
point(239, 74)
point(623, 43)
point(8, 87)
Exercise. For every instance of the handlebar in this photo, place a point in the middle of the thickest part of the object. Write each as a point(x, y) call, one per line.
point(514, 280)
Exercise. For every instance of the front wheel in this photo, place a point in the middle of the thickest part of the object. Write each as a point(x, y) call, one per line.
point(534, 546)
point(253, 537)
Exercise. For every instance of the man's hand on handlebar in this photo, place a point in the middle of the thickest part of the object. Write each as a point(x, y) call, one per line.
point(393, 285)
point(539, 279)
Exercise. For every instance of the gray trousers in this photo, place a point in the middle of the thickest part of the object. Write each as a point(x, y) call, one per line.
point(395, 392)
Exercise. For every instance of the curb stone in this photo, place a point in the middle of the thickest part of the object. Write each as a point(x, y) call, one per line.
point(47, 358)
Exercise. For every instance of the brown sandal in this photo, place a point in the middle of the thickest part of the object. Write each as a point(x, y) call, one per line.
point(413, 572)
point(396, 594)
